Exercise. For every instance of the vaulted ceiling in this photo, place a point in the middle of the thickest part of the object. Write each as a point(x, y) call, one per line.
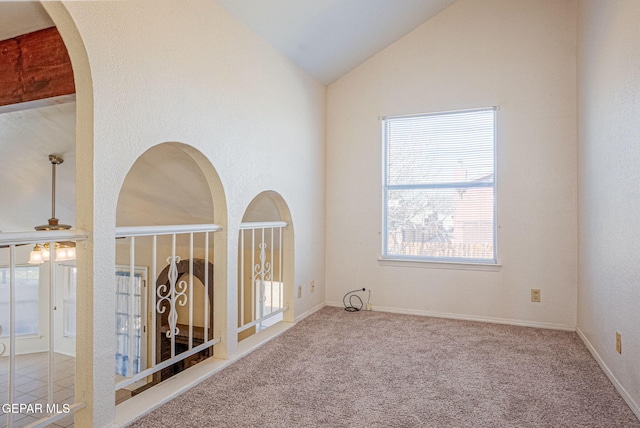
point(27, 138)
point(326, 38)
point(21, 17)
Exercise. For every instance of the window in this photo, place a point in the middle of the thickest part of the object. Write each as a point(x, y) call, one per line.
point(27, 291)
point(439, 186)
point(124, 306)
point(69, 275)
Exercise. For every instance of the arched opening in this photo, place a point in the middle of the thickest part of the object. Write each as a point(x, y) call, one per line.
point(41, 110)
point(170, 210)
point(265, 265)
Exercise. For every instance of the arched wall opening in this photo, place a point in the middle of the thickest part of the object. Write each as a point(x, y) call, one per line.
point(265, 265)
point(37, 120)
point(57, 126)
point(88, 382)
point(170, 218)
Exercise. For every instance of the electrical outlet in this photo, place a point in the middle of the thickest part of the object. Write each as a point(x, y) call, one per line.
point(299, 291)
point(618, 343)
point(535, 295)
point(313, 286)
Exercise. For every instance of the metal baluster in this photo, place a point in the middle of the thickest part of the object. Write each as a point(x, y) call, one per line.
point(173, 298)
point(253, 279)
point(261, 291)
point(190, 290)
point(206, 286)
point(242, 285)
point(280, 284)
point(12, 329)
point(132, 290)
point(152, 287)
point(52, 308)
point(271, 305)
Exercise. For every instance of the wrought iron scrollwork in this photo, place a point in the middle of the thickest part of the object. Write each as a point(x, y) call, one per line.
point(174, 294)
point(262, 270)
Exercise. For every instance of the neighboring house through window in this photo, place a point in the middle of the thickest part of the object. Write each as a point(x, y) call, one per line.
point(440, 187)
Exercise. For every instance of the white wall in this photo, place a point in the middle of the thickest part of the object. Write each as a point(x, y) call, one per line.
point(609, 160)
point(190, 73)
point(518, 55)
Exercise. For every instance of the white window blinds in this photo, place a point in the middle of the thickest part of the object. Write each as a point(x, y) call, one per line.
point(439, 186)
point(27, 298)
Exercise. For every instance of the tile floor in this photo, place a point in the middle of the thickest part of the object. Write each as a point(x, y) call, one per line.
point(31, 385)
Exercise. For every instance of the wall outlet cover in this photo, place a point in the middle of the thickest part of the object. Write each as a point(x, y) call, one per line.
point(535, 295)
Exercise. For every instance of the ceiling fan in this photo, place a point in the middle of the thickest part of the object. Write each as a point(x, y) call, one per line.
point(64, 250)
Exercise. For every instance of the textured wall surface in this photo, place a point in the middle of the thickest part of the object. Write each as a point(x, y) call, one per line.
point(609, 161)
point(163, 72)
point(518, 55)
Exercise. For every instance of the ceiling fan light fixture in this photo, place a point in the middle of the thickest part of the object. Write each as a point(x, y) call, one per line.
point(64, 252)
point(53, 223)
point(36, 257)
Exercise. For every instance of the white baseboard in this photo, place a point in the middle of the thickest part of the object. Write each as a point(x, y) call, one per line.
point(309, 312)
point(523, 323)
point(621, 390)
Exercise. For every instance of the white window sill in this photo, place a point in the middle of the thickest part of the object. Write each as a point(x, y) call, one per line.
point(430, 264)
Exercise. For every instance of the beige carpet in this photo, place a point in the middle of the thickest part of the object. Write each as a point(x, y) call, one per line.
point(374, 369)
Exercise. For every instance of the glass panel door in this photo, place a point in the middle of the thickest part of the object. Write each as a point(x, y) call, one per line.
point(123, 318)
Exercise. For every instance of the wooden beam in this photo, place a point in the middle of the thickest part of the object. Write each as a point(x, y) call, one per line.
point(33, 67)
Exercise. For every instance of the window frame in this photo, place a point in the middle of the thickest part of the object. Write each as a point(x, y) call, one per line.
point(143, 273)
point(30, 334)
point(460, 262)
point(69, 300)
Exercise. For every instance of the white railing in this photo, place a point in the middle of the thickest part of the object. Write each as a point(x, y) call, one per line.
point(9, 241)
point(169, 296)
point(261, 286)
